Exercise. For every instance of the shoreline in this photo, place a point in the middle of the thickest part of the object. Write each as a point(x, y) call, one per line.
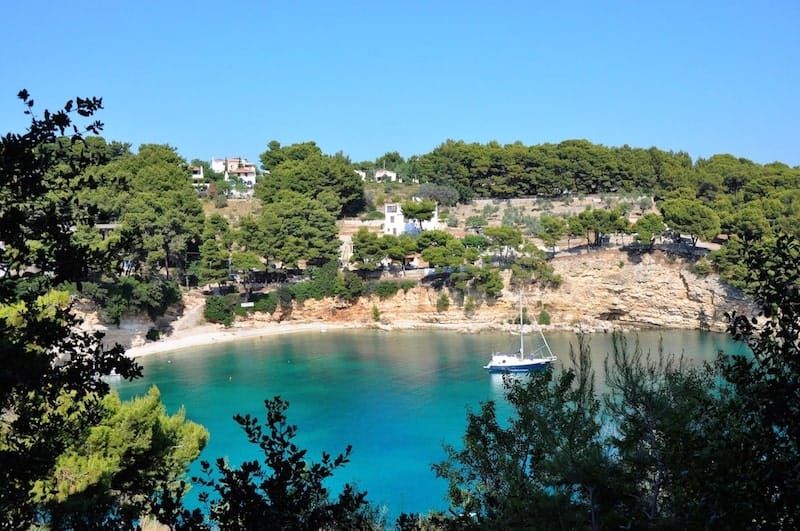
point(209, 334)
point(205, 335)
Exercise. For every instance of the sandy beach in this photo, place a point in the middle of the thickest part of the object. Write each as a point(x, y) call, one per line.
point(212, 334)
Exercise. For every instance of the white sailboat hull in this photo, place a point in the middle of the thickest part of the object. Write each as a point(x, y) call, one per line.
point(513, 363)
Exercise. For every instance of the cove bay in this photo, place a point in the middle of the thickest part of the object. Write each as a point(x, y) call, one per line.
point(395, 397)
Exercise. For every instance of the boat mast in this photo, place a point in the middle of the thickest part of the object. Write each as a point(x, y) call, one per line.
point(521, 334)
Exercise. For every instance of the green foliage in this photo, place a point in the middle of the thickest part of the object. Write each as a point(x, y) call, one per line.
point(489, 210)
point(702, 267)
point(442, 303)
point(153, 334)
point(419, 211)
point(291, 228)
point(552, 230)
point(503, 240)
point(373, 215)
point(376, 313)
point(599, 223)
point(285, 296)
point(220, 201)
point(406, 285)
point(544, 318)
point(476, 222)
point(111, 471)
point(368, 250)
point(71, 455)
point(470, 305)
point(685, 216)
point(441, 194)
point(322, 282)
point(648, 228)
point(352, 286)
point(218, 309)
point(288, 491)
point(386, 289)
point(132, 295)
point(667, 446)
point(162, 216)
point(266, 303)
point(302, 168)
point(532, 267)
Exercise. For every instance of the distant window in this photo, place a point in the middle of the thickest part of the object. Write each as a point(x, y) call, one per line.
point(391, 219)
point(391, 209)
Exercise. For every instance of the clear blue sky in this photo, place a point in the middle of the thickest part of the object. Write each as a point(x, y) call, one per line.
point(366, 77)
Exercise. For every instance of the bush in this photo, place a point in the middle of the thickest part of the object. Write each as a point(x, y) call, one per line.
point(266, 303)
point(442, 303)
point(353, 286)
point(220, 201)
point(131, 294)
point(153, 334)
point(407, 285)
point(285, 297)
point(544, 318)
point(470, 305)
point(386, 289)
point(373, 215)
point(322, 282)
point(476, 221)
point(702, 267)
point(218, 310)
point(376, 313)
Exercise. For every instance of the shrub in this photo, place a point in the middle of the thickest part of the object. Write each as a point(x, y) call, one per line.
point(220, 201)
point(131, 294)
point(376, 313)
point(544, 318)
point(386, 289)
point(267, 303)
point(153, 334)
point(373, 215)
point(470, 305)
point(702, 267)
point(353, 286)
point(442, 303)
point(407, 285)
point(322, 282)
point(476, 221)
point(218, 310)
point(285, 297)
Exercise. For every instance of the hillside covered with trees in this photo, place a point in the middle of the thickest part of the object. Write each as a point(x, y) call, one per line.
point(711, 447)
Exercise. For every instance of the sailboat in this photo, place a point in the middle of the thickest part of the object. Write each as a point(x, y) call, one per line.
point(517, 361)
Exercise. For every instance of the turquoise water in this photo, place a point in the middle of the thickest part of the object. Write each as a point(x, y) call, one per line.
point(395, 397)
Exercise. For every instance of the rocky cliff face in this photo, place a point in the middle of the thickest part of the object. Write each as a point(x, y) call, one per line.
point(601, 290)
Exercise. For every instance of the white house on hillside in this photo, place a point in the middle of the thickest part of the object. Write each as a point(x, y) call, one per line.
point(382, 175)
point(395, 223)
point(236, 168)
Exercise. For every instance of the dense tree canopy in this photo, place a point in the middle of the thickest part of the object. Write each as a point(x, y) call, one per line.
point(60, 465)
point(304, 169)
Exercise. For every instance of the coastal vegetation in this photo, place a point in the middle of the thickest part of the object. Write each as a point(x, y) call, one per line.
point(668, 446)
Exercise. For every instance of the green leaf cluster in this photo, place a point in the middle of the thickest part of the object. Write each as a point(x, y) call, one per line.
point(119, 462)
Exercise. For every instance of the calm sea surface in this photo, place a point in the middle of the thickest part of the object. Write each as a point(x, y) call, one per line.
point(396, 397)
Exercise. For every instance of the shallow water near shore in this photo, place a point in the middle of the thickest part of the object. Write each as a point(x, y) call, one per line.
point(395, 397)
